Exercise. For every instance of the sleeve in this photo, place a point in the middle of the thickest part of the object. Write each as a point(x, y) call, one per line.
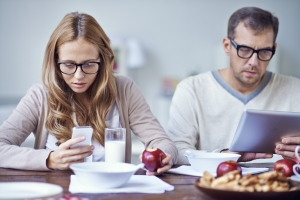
point(183, 123)
point(145, 126)
point(14, 131)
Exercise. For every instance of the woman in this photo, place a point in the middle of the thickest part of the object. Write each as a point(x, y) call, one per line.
point(79, 89)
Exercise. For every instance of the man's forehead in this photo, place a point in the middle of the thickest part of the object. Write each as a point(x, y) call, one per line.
point(244, 27)
point(243, 31)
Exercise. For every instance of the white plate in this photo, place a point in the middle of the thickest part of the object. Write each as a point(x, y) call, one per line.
point(188, 170)
point(295, 178)
point(25, 190)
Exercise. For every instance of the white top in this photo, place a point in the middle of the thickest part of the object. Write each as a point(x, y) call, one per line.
point(112, 120)
point(205, 110)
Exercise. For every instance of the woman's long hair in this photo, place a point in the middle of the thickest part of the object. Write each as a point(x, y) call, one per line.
point(102, 93)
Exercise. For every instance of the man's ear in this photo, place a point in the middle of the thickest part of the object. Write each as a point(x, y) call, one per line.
point(275, 45)
point(226, 46)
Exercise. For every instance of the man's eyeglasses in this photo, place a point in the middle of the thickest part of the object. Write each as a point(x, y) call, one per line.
point(247, 52)
point(70, 68)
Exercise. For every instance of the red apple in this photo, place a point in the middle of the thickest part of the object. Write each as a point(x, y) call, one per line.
point(227, 166)
point(285, 166)
point(152, 158)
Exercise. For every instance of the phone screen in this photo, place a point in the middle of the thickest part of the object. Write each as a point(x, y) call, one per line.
point(79, 131)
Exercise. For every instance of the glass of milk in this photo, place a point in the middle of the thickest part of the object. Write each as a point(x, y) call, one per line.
point(115, 144)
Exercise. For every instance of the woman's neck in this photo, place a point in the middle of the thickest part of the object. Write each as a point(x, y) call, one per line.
point(83, 98)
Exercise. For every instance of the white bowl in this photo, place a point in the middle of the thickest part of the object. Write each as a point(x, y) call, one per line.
point(209, 161)
point(103, 174)
point(196, 152)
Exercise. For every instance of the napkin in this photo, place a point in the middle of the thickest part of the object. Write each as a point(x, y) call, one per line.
point(136, 184)
point(188, 170)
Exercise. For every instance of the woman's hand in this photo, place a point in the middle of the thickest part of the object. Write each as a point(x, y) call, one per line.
point(166, 162)
point(63, 157)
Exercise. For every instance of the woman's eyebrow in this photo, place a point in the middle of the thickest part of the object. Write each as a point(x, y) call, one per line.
point(88, 60)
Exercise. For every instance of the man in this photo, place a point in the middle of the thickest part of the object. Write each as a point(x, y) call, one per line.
point(206, 108)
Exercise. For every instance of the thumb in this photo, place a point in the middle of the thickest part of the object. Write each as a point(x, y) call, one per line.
point(263, 155)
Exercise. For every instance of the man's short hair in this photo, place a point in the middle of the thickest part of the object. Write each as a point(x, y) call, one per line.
point(254, 18)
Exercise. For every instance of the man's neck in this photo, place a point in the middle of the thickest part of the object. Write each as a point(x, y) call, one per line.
point(231, 80)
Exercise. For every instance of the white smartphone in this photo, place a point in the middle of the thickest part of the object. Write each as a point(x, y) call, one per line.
point(79, 131)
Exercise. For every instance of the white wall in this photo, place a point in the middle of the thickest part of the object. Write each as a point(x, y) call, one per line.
point(179, 37)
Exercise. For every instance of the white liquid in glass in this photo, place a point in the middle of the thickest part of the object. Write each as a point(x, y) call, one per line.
point(115, 151)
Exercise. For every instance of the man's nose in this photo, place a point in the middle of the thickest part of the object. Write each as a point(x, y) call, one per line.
point(253, 61)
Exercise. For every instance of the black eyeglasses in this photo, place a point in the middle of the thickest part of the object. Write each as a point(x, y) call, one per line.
point(70, 68)
point(247, 52)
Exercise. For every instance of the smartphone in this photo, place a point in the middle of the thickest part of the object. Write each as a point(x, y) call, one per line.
point(79, 131)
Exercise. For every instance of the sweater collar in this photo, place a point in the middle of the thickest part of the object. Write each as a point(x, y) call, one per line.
point(243, 98)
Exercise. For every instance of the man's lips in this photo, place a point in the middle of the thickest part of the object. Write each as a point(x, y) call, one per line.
point(250, 73)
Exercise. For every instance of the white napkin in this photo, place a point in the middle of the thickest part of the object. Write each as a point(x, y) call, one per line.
point(188, 170)
point(136, 184)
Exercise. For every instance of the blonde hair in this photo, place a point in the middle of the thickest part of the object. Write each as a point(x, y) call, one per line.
point(102, 93)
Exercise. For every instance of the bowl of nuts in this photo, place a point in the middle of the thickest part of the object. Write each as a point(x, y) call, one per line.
point(232, 185)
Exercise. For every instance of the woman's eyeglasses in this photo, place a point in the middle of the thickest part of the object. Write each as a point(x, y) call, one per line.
point(70, 68)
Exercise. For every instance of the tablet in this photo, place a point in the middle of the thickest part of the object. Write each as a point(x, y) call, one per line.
point(259, 130)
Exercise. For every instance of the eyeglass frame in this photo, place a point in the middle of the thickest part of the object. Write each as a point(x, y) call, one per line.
point(237, 47)
point(78, 64)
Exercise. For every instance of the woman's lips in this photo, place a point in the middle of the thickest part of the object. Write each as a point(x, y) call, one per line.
point(79, 85)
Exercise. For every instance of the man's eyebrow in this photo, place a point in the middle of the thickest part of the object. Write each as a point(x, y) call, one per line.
point(268, 47)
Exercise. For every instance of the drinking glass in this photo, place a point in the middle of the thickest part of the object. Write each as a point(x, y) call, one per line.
point(115, 144)
point(297, 165)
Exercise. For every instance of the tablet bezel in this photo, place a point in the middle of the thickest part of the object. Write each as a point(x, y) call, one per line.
point(259, 130)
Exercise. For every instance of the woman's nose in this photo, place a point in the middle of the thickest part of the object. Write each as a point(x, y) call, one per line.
point(79, 74)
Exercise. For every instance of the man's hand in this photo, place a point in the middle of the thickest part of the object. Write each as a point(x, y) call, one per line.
point(245, 157)
point(287, 147)
point(63, 157)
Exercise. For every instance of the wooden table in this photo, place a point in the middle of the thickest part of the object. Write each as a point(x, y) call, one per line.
point(184, 185)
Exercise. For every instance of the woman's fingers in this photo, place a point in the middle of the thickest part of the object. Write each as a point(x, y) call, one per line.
point(164, 169)
point(64, 156)
point(76, 151)
point(66, 166)
point(167, 159)
point(60, 160)
point(159, 170)
point(167, 165)
point(70, 142)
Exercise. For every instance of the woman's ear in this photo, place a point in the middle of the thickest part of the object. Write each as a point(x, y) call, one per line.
point(226, 46)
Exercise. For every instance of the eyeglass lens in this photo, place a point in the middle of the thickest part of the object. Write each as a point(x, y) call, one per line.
point(88, 68)
point(246, 52)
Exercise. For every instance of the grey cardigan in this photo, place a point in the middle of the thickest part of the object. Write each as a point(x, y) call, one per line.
point(30, 115)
